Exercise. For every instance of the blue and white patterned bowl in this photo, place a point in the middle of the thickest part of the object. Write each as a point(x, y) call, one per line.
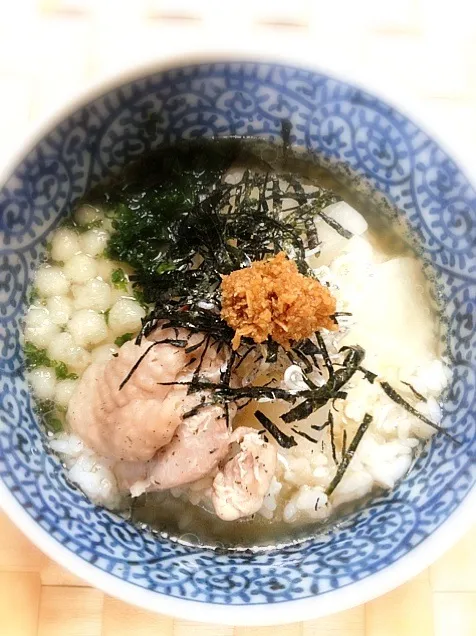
point(376, 549)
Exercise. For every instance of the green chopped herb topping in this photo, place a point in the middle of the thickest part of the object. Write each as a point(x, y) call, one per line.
point(139, 296)
point(71, 224)
point(122, 339)
point(119, 279)
point(33, 296)
point(35, 357)
point(51, 415)
point(54, 424)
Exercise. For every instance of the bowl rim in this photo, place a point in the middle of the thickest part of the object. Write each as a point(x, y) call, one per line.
point(374, 585)
point(363, 591)
point(405, 104)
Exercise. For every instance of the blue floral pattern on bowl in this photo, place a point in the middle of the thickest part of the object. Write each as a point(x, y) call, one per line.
point(340, 123)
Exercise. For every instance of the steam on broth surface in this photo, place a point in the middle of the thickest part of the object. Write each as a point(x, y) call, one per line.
point(224, 349)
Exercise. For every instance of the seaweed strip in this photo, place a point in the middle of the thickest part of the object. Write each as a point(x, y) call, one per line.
point(271, 351)
point(349, 454)
point(307, 347)
point(305, 435)
point(302, 410)
point(277, 197)
point(244, 356)
point(196, 409)
point(340, 395)
point(304, 359)
point(311, 234)
point(227, 415)
point(309, 223)
point(226, 382)
point(397, 398)
point(301, 197)
point(230, 394)
point(196, 374)
point(331, 432)
point(320, 427)
point(344, 442)
point(368, 375)
point(286, 441)
point(325, 354)
point(229, 366)
point(317, 398)
point(245, 404)
point(262, 195)
point(194, 347)
point(335, 225)
point(175, 343)
point(415, 392)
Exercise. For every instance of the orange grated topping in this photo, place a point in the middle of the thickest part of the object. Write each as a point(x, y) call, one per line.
point(272, 299)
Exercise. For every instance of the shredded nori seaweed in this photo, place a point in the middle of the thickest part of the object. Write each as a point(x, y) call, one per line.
point(397, 398)
point(286, 441)
point(325, 355)
point(335, 225)
point(331, 430)
point(305, 435)
point(175, 343)
point(344, 464)
point(344, 443)
point(414, 391)
point(182, 226)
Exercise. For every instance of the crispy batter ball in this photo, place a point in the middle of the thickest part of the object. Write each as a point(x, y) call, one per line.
point(272, 299)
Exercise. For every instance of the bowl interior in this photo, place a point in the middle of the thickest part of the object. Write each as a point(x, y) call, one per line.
point(345, 127)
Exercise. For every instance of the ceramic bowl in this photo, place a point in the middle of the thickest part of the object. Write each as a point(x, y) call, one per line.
point(375, 549)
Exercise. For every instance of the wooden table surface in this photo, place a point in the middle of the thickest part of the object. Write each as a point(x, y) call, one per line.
point(52, 49)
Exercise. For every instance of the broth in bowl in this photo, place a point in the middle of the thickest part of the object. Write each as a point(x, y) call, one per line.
point(225, 349)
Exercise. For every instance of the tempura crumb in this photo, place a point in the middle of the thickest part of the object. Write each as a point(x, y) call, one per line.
point(272, 299)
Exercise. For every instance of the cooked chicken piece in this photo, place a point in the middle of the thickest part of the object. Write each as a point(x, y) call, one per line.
point(141, 426)
point(133, 423)
point(241, 485)
point(198, 445)
point(132, 477)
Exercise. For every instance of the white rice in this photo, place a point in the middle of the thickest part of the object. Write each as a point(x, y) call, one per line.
point(92, 473)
